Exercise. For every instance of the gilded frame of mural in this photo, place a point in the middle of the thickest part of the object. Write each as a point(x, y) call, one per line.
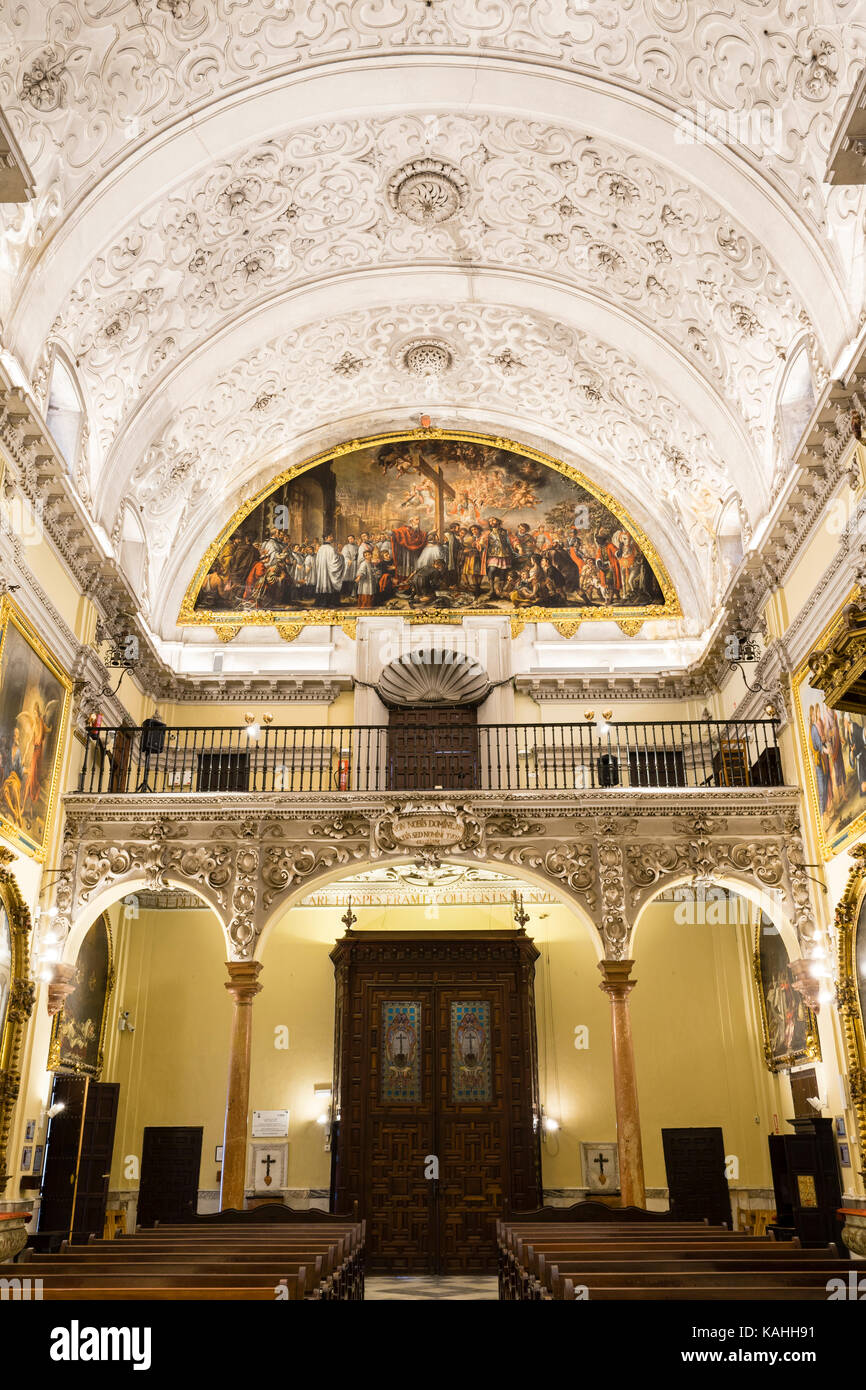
point(847, 995)
point(57, 1061)
point(11, 618)
point(858, 825)
point(290, 623)
point(21, 997)
point(776, 1063)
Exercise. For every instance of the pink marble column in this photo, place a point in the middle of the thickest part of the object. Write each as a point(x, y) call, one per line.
point(617, 986)
point(243, 986)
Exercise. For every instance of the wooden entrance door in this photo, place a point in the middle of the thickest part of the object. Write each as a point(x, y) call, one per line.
point(80, 1142)
point(436, 1093)
point(170, 1163)
point(433, 746)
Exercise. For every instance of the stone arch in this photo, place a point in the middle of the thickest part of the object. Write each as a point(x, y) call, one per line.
point(760, 895)
point(293, 896)
point(113, 893)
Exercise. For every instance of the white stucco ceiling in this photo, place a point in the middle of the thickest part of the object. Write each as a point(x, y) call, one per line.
point(639, 238)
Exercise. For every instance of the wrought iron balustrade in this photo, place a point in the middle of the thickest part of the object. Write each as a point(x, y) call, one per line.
point(489, 757)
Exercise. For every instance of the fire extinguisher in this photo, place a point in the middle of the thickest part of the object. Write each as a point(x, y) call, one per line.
point(344, 774)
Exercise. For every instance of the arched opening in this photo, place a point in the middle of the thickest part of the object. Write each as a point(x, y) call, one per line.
point(734, 1047)
point(139, 1062)
point(336, 959)
point(796, 403)
point(64, 413)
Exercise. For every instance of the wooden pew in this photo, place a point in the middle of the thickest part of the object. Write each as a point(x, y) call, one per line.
point(255, 1261)
point(558, 1259)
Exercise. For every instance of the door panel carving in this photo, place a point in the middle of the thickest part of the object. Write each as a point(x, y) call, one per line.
point(436, 1061)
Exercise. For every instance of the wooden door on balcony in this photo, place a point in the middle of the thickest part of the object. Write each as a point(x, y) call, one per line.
point(436, 1058)
point(433, 746)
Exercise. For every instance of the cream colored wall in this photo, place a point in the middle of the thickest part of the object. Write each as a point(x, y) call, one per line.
point(195, 715)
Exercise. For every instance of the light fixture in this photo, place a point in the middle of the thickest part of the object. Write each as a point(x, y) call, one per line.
point(549, 1125)
point(55, 1109)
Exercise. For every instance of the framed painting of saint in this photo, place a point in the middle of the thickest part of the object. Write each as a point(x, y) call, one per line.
point(34, 707)
point(790, 1029)
point(429, 524)
point(78, 1031)
point(834, 751)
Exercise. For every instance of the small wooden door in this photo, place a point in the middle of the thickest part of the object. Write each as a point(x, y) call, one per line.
point(81, 1136)
point(695, 1169)
point(433, 746)
point(170, 1165)
point(437, 1095)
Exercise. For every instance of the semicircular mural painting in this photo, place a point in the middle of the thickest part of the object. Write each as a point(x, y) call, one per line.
point(430, 523)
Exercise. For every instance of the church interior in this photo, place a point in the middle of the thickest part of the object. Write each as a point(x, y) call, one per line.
point(432, 651)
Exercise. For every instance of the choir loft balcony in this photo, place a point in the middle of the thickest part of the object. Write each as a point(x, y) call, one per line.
point(431, 756)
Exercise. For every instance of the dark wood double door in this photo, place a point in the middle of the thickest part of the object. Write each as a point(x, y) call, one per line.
point(433, 746)
point(436, 1094)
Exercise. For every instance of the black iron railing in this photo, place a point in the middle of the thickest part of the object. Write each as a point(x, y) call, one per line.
point(495, 757)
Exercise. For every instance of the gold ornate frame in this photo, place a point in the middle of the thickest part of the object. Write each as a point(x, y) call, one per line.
point(9, 613)
point(847, 995)
point(812, 1051)
point(289, 623)
point(21, 997)
point(55, 1063)
point(857, 826)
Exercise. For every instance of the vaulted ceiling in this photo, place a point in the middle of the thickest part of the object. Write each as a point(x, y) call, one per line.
point(602, 229)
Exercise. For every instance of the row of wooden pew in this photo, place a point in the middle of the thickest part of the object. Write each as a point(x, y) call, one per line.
point(249, 1260)
point(541, 1258)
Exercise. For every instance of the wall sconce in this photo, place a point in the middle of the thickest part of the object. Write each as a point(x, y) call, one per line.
point(549, 1125)
point(323, 1092)
point(254, 727)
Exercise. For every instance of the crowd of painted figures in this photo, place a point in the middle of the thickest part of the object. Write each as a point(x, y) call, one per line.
point(410, 565)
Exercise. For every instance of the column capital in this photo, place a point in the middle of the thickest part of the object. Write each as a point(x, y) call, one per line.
point(64, 978)
point(243, 981)
point(615, 978)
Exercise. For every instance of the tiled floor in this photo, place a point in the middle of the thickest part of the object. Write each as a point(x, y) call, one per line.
point(475, 1287)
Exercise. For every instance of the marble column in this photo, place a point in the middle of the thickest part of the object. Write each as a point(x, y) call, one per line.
point(243, 986)
point(617, 986)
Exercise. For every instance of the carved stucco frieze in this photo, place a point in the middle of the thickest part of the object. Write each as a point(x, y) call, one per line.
point(607, 856)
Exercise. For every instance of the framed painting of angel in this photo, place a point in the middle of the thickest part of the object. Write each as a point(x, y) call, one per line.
point(34, 706)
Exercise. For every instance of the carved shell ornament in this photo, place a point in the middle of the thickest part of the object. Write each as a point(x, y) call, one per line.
point(430, 676)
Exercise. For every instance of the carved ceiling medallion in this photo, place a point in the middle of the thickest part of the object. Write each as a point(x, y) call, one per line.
point(428, 191)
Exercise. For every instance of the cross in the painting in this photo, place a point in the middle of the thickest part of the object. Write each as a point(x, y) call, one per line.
point(600, 1162)
point(443, 490)
point(268, 1161)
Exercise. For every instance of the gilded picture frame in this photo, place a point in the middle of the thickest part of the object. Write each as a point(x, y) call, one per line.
point(289, 623)
point(35, 696)
point(839, 777)
point(18, 1004)
point(774, 978)
point(77, 1037)
point(850, 921)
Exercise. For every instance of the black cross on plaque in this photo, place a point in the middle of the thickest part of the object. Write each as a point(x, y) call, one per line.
point(600, 1162)
point(268, 1160)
